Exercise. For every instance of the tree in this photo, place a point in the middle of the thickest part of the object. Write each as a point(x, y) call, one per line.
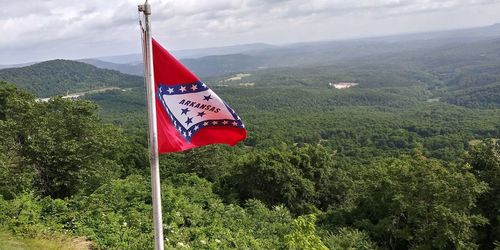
point(272, 177)
point(349, 239)
point(485, 161)
point(414, 203)
point(304, 179)
point(303, 235)
point(71, 150)
point(16, 175)
point(62, 141)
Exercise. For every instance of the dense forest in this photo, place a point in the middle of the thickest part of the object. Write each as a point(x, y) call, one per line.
point(357, 169)
point(407, 159)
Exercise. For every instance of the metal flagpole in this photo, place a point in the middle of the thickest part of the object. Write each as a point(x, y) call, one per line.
point(153, 134)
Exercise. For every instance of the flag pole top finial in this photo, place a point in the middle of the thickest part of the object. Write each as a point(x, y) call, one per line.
point(146, 8)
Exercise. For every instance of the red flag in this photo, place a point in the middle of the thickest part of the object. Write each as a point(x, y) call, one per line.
point(189, 114)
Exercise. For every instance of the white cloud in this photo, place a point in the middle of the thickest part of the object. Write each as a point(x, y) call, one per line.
point(110, 26)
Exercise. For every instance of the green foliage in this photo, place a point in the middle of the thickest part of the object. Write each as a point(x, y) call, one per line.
point(485, 161)
point(117, 215)
point(195, 216)
point(62, 142)
point(15, 176)
point(6, 90)
point(30, 215)
point(349, 239)
point(273, 178)
point(303, 234)
point(476, 97)
point(413, 203)
point(23, 215)
point(58, 77)
point(212, 163)
point(71, 150)
point(126, 109)
point(14, 179)
point(367, 75)
point(303, 179)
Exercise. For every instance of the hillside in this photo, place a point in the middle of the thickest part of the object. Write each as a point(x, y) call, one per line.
point(58, 77)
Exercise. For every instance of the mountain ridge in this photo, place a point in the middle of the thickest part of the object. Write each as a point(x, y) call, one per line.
point(129, 63)
point(326, 52)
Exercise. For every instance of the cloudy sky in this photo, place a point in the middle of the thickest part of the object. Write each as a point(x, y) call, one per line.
point(36, 30)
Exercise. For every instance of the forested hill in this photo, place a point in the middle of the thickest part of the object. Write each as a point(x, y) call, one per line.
point(58, 77)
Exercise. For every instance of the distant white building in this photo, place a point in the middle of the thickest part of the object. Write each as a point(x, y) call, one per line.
point(343, 85)
point(72, 97)
point(42, 99)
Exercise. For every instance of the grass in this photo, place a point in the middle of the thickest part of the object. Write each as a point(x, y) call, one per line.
point(10, 242)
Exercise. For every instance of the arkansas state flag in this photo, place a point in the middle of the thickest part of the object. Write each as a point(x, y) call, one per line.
point(189, 114)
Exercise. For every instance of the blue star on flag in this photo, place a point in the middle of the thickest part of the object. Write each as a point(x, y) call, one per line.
point(207, 97)
point(189, 120)
point(185, 111)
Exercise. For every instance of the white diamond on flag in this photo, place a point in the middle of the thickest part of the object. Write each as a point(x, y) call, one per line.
point(195, 106)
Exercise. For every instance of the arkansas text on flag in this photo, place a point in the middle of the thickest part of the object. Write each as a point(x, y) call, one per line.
point(189, 114)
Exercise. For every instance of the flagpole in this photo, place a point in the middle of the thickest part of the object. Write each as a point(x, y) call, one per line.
point(153, 132)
